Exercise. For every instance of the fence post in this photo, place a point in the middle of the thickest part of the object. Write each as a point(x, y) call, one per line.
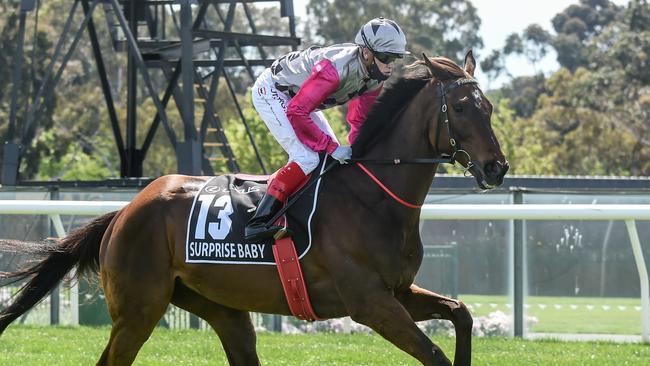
point(453, 250)
point(194, 321)
point(55, 295)
point(518, 268)
point(643, 278)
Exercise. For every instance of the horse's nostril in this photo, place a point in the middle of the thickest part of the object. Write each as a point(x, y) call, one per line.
point(495, 170)
point(491, 169)
point(505, 167)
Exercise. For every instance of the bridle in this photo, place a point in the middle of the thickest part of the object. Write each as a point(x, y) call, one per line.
point(443, 119)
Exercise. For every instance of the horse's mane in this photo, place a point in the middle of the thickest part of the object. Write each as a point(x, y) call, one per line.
point(396, 96)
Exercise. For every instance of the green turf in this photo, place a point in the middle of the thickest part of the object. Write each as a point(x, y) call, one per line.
point(576, 315)
point(580, 319)
point(45, 345)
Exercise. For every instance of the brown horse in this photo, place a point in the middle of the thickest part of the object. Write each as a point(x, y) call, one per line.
point(366, 250)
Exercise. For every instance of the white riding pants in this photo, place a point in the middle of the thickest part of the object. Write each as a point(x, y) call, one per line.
point(271, 104)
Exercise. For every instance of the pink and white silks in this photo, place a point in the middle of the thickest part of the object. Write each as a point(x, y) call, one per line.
point(297, 124)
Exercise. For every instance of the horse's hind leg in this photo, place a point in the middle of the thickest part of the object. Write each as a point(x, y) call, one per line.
point(423, 304)
point(135, 313)
point(234, 327)
point(138, 284)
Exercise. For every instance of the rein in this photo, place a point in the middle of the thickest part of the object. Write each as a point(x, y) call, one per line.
point(444, 159)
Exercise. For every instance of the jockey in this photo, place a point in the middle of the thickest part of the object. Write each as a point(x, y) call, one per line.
point(290, 95)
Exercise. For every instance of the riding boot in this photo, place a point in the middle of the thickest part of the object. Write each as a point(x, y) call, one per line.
point(286, 180)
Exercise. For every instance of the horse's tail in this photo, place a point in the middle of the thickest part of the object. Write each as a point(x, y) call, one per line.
point(80, 248)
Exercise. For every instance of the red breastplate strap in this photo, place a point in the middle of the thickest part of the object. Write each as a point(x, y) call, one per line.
point(386, 189)
point(292, 279)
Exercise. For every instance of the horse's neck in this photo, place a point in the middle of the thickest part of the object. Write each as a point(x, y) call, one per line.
point(409, 139)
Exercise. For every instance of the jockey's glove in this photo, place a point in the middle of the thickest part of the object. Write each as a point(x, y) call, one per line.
point(342, 154)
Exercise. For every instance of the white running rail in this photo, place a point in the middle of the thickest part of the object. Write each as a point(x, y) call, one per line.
point(557, 212)
point(551, 212)
point(54, 209)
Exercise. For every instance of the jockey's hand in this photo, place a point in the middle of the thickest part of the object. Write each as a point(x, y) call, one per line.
point(342, 154)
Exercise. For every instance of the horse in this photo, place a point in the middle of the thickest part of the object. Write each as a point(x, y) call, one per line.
point(366, 251)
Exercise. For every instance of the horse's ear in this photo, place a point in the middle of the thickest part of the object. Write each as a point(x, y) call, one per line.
point(470, 63)
point(436, 72)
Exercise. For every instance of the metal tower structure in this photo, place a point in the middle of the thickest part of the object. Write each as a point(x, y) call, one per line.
point(193, 60)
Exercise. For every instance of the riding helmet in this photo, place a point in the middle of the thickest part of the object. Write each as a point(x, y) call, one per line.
point(382, 35)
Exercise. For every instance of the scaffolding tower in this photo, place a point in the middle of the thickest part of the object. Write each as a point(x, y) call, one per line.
point(193, 60)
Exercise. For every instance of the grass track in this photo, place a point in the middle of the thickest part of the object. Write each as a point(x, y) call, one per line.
point(575, 315)
point(67, 346)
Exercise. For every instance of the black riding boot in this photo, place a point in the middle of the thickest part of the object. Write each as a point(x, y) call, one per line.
point(255, 228)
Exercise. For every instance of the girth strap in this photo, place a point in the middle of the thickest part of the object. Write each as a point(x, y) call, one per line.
point(293, 282)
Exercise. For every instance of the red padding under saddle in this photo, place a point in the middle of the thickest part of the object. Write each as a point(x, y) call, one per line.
point(292, 279)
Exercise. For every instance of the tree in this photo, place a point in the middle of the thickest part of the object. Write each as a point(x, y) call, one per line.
point(493, 65)
point(533, 43)
point(621, 88)
point(437, 27)
point(593, 115)
point(37, 48)
point(536, 44)
point(576, 25)
point(523, 93)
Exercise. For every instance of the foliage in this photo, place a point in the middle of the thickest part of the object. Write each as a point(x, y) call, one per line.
point(565, 135)
point(592, 117)
point(533, 44)
point(439, 27)
point(589, 117)
point(575, 27)
point(577, 24)
point(495, 324)
point(273, 155)
point(37, 51)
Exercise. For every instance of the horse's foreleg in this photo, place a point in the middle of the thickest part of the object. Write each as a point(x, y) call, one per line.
point(369, 302)
point(234, 328)
point(423, 304)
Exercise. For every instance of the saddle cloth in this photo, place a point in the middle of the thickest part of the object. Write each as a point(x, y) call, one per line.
point(223, 206)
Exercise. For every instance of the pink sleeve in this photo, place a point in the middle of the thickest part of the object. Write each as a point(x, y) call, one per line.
point(358, 109)
point(322, 82)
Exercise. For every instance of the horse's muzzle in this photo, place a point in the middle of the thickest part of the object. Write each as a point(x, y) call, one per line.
point(489, 175)
point(493, 172)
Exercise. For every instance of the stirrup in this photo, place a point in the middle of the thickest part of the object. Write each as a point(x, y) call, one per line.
point(262, 232)
point(283, 232)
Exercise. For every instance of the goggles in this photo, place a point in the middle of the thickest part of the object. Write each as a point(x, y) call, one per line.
point(386, 57)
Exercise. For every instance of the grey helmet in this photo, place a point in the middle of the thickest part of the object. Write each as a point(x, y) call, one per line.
point(382, 35)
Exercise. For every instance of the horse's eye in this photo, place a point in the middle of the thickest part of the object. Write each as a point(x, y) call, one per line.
point(458, 106)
